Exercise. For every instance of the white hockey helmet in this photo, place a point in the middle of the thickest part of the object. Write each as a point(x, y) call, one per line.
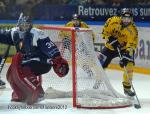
point(25, 24)
point(126, 16)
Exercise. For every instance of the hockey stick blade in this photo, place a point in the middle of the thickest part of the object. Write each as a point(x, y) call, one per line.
point(137, 106)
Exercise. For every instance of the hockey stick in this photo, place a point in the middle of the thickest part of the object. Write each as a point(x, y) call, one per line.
point(7, 51)
point(2, 86)
point(137, 105)
point(4, 59)
point(21, 15)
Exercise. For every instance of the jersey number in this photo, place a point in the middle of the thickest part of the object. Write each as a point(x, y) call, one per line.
point(49, 44)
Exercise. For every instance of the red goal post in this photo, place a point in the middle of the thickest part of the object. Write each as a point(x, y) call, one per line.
point(87, 83)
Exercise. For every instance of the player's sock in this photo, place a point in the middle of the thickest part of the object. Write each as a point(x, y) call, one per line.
point(2, 84)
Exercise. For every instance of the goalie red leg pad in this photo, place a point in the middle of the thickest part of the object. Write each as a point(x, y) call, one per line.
point(33, 82)
point(26, 80)
point(17, 94)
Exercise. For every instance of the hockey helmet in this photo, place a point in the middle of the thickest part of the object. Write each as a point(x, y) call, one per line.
point(25, 23)
point(75, 20)
point(75, 17)
point(126, 16)
point(126, 12)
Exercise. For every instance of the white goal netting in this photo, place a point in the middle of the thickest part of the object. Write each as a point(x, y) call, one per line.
point(86, 83)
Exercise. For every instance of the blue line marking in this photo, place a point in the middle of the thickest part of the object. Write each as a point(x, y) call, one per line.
point(139, 24)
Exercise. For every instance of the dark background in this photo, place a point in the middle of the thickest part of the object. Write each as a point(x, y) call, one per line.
point(57, 10)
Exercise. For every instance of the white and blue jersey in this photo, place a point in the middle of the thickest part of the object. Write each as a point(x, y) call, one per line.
point(35, 45)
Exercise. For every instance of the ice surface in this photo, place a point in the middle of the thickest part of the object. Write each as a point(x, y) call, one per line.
point(56, 106)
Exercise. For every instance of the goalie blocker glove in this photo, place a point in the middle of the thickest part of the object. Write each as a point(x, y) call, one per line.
point(127, 56)
point(114, 42)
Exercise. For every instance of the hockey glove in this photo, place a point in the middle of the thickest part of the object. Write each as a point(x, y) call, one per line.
point(114, 42)
point(60, 66)
point(126, 58)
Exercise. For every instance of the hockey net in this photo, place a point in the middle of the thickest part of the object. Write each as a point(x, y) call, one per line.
point(86, 83)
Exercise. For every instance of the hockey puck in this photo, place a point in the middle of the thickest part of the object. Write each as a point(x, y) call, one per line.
point(137, 106)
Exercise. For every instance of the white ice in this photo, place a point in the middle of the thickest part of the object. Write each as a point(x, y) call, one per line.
point(141, 83)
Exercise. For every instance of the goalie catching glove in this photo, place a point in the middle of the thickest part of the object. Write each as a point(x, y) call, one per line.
point(127, 56)
point(60, 66)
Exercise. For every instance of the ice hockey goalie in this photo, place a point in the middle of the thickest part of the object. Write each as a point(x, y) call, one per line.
point(36, 54)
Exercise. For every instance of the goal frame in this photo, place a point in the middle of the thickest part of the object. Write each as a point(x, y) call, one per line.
point(74, 66)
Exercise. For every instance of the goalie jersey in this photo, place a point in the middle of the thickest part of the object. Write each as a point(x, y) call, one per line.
point(35, 45)
point(126, 36)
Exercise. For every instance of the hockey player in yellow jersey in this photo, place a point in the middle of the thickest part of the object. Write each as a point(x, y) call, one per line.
point(76, 22)
point(66, 39)
point(120, 33)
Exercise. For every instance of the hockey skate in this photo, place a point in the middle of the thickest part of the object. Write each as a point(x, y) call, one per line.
point(128, 92)
point(41, 97)
point(2, 84)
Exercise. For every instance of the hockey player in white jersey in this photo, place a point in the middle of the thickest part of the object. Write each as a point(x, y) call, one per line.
point(36, 54)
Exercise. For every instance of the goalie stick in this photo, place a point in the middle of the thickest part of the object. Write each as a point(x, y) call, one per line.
point(21, 15)
point(2, 84)
point(4, 57)
point(137, 104)
point(7, 51)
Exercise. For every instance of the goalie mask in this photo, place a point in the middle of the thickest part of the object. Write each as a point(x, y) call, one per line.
point(126, 16)
point(75, 20)
point(25, 24)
